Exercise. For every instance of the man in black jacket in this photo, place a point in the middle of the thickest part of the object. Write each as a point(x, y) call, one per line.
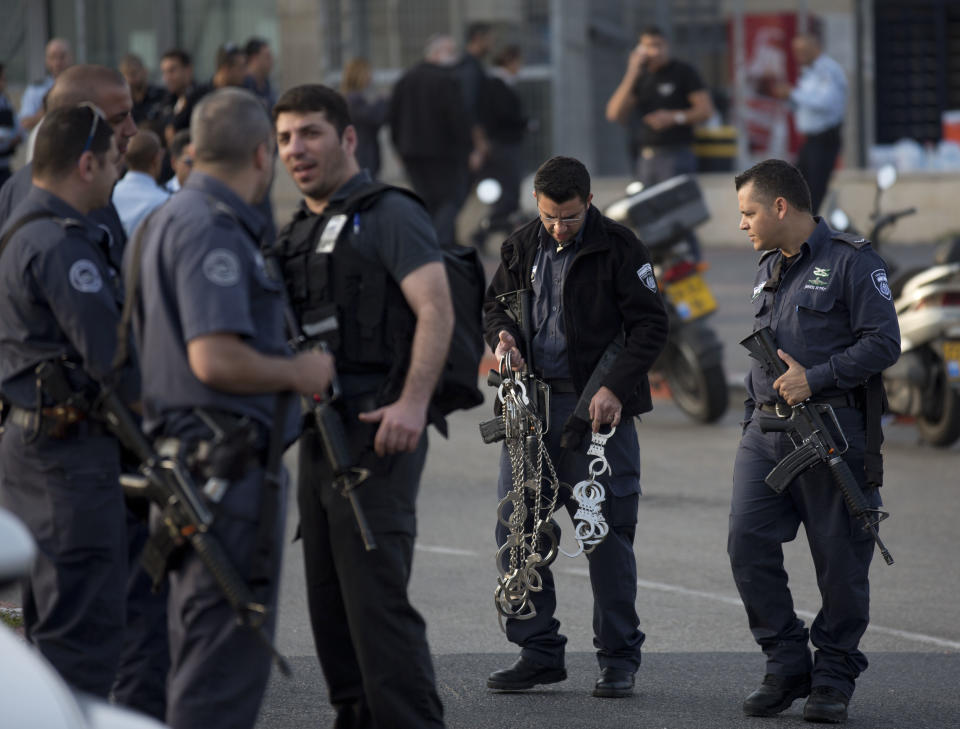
point(592, 283)
point(431, 132)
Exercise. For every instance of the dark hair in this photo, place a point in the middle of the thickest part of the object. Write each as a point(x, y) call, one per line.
point(308, 98)
point(654, 30)
point(227, 54)
point(254, 45)
point(476, 30)
point(775, 178)
point(142, 150)
point(179, 55)
point(179, 142)
point(507, 55)
point(562, 179)
point(62, 139)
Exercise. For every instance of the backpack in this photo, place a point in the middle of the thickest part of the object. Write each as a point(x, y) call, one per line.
point(457, 388)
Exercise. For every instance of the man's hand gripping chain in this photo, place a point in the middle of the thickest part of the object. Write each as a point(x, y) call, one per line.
point(519, 559)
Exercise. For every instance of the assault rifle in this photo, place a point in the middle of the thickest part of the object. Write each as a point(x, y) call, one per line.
point(186, 517)
point(347, 475)
point(814, 444)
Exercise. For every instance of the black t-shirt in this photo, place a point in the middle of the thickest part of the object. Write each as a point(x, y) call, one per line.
point(666, 88)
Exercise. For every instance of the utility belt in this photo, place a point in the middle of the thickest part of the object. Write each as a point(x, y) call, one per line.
point(782, 410)
point(59, 421)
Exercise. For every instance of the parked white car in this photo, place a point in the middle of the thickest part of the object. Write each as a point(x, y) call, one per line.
point(32, 693)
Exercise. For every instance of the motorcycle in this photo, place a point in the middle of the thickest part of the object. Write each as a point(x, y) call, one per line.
point(924, 383)
point(692, 361)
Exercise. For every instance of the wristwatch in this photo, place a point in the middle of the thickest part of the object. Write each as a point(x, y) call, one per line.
point(680, 118)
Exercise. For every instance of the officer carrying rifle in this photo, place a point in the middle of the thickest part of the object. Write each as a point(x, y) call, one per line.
point(208, 321)
point(824, 329)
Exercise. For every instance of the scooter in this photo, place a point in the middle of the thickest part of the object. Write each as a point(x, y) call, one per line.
point(692, 361)
point(924, 383)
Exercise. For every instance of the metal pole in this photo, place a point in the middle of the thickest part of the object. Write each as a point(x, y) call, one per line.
point(740, 84)
point(80, 13)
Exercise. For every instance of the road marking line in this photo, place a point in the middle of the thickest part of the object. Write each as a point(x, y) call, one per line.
point(716, 597)
point(447, 550)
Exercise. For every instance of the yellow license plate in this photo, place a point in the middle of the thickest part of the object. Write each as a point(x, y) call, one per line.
point(951, 360)
point(691, 297)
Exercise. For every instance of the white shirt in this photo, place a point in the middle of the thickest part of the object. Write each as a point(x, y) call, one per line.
point(820, 97)
point(32, 100)
point(135, 196)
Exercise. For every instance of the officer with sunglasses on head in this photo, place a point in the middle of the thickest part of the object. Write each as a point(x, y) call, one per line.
point(59, 309)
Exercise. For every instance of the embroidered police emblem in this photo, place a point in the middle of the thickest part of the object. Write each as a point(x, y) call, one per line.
point(821, 276)
point(221, 267)
point(757, 290)
point(880, 281)
point(85, 276)
point(645, 274)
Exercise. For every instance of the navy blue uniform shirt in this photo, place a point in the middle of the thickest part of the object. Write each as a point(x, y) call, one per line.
point(202, 273)
point(58, 297)
point(549, 271)
point(832, 311)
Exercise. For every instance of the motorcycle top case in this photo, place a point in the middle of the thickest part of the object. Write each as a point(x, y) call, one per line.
point(662, 214)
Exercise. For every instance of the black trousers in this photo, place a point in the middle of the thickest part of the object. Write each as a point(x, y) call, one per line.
point(816, 160)
point(68, 494)
point(371, 642)
point(762, 520)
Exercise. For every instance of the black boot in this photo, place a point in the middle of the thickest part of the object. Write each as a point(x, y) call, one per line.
point(776, 693)
point(826, 704)
point(524, 674)
point(614, 683)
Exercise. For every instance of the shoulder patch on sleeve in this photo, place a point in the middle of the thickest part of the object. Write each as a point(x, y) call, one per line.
point(85, 276)
point(879, 278)
point(645, 274)
point(221, 267)
point(851, 239)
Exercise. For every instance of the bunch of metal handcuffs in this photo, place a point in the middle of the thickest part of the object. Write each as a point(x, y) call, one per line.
point(527, 510)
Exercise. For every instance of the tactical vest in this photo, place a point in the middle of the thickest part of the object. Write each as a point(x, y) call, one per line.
point(342, 297)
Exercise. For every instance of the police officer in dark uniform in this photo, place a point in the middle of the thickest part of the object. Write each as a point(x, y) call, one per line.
point(592, 283)
point(144, 661)
point(372, 285)
point(210, 335)
point(825, 296)
point(59, 308)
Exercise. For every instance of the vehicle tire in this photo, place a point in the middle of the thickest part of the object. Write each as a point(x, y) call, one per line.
point(939, 425)
point(699, 392)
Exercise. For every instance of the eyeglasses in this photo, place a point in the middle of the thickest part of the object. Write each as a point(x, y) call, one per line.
point(562, 221)
point(97, 116)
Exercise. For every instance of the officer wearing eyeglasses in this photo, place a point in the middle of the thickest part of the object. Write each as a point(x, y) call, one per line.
point(592, 283)
point(59, 308)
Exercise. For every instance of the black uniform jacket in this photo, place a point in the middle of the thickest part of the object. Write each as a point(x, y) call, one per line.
point(609, 289)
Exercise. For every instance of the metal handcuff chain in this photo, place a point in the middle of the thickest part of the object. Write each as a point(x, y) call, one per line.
point(519, 559)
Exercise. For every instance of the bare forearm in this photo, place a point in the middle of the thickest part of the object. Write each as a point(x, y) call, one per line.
point(229, 364)
point(622, 101)
point(428, 355)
